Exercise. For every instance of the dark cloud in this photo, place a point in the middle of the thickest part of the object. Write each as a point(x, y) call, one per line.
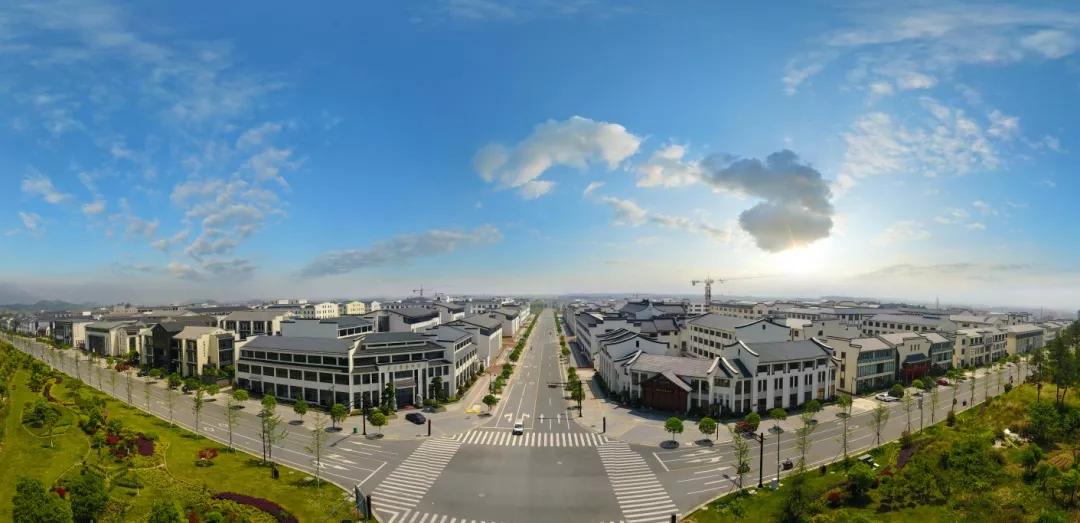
point(399, 250)
point(796, 208)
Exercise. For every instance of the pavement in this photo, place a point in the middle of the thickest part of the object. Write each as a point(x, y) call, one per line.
point(565, 467)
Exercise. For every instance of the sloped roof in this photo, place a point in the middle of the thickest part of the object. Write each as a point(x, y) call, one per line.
point(680, 365)
point(299, 344)
point(790, 350)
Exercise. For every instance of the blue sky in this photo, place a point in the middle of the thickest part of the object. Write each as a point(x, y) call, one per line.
point(190, 150)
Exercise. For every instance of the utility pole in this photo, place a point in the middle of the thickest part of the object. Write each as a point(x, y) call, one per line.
point(761, 460)
point(778, 459)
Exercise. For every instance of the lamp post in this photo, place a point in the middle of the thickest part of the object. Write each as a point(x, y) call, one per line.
point(761, 461)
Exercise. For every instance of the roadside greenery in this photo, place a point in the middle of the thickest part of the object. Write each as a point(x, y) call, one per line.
point(1015, 458)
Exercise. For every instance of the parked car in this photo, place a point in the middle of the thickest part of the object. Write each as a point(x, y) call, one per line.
point(884, 396)
point(416, 418)
point(868, 460)
point(788, 465)
point(943, 381)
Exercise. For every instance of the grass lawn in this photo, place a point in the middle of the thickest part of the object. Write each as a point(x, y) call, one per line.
point(172, 472)
point(1006, 497)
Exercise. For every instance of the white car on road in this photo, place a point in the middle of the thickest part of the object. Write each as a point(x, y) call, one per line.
point(884, 396)
point(519, 428)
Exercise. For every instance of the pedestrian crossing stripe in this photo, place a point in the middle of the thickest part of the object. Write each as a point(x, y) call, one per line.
point(640, 495)
point(425, 517)
point(400, 491)
point(531, 439)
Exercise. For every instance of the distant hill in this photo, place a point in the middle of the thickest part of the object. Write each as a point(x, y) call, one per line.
point(46, 305)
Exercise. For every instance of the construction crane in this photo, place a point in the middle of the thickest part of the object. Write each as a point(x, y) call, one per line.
point(708, 281)
point(419, 291)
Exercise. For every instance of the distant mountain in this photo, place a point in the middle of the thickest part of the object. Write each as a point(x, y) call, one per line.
point(11, 293)
point(46, 305)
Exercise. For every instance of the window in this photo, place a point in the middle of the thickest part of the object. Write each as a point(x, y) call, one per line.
point(268, 371)
point(283, 373)
point(341, 379)
point(242, 367)
point(398, 358)
point(272, 356)
point(310, 376)
point(259, 355)
point(326, 377)
point(295, 375)
point(299, 358)
point(286, 357)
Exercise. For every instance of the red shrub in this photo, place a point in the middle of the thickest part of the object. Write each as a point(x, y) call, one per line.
point(60, 491)
point(145, 446)
point(208, 453)
point(835, 498)
point(192, 517)
point(112, 439)
point(264, 505)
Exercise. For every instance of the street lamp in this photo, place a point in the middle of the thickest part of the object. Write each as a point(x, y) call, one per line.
point(761, 461)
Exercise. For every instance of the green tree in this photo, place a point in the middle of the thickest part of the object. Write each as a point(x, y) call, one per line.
point(934, 399)
point(879, 417)
point(777, 414)
point(844, 402)
point(88, 496)
point(301, 409)
point(897, 390)
point(796, 501)
point(1038, 361)
point(377, 420)
point(232, 413)
point(271, 431)
point(212, 389)
point(240, 396)
point(437, 390)
point(1070, 485)
point(908, 403)
point(1030, 457)
point(146, 392)
point(389, 397)
point(490, 401)
point(673, 426)
point(578, 394)
point(174, 380)
point(197, 404)
point(860, 479)
point(129, 387)
point(753, 420)
point(918, 384)
point(707, 426)
point(318, 444)
point(164, 511)
point(742, 454)
point(338, 412)
point(33, 504)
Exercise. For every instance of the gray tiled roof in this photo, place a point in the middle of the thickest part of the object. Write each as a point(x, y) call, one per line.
point(298, 344)
point(481, 320)
point(393, 337)
point(788, 350)
point(682, 366)
point(255, 315)
point(415, 312)
point(713, 320)
point(907, 319)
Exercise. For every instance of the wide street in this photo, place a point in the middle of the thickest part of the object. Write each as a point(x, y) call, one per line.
point(557, 470)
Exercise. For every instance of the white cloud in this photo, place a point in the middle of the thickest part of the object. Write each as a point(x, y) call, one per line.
point(914, 45)
point(1003, 126)
point(976, 226)
point(32, 222)
point(952, 216)
point(93, 208)
point(627, 212)
point(902, 232)
point(257, 136)
point(984, 207)
point(667, 168)
point(948, 142)
point(1051, 43)
point(400, 250)
point(38, 184)
point(164, 244)
point(591, 187)
point(576, 142)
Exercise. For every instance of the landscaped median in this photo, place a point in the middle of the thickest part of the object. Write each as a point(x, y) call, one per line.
point(75, 452)
point(507, 369)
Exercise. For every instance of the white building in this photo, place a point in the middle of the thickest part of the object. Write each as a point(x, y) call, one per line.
point(1022, 339)
point(707, 335)
point(202, 347)
point(255, 322)
point(355, 308)
point(487, 335)
point(615, 348)
point(408, 319)
point(329, 309)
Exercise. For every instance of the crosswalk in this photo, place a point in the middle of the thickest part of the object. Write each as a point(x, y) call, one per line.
point(504, 438)
point(640, 495)
point(410, 516)
point(399, 493)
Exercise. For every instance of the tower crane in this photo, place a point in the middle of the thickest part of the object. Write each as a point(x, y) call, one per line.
point(708, 281)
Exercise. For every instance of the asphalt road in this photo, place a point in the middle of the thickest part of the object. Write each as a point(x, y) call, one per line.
point(556, 471)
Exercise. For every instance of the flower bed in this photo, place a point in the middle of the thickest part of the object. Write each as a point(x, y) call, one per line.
point(144, 445)
point(265, 505)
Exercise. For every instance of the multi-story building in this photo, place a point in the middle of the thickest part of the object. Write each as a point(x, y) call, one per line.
point(487, 335)
point(255, 322)
point(1022, 339)
point(886, 323)
point(974, 347)
point(449, 311)
point(355, 308)
point(356, 371)
point(112, 338)
point(513, 319)
point(618, 346)
point(329, 309)
point(403, 319)
point(866, 364)
point(203, 347)
point(740, 309)
point(707, 335)
point(340, 327)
